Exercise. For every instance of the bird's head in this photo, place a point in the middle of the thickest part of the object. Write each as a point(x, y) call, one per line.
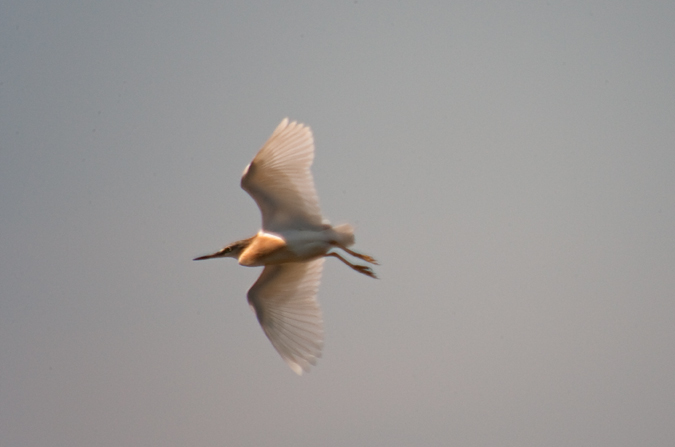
point(231, 251)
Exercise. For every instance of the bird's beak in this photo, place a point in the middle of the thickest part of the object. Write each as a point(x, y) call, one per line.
point(217, 254)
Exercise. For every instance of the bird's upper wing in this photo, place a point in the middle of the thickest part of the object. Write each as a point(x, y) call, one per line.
point(280, 181)
point(284, 300)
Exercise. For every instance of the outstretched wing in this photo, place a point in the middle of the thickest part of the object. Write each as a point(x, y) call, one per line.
point(280, 181)
point(284, 300)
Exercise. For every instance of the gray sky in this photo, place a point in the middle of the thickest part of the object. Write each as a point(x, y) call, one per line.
point(510, 164)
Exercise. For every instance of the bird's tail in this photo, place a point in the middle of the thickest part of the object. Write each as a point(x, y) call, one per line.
point(344, 234)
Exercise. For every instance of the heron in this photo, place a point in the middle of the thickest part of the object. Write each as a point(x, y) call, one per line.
point(292, 245)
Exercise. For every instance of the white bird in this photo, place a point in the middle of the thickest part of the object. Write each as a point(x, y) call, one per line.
point(292, 245)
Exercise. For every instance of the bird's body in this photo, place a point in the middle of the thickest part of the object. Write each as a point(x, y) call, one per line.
point(292, 244)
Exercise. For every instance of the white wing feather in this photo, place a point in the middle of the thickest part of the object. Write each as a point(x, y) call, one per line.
point(280, 181)
point(284, 300)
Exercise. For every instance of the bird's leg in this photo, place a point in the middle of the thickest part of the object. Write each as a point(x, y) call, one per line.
point(359, 268)
point(358, 255)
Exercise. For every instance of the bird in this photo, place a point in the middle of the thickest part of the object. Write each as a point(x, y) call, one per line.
point(292, 245)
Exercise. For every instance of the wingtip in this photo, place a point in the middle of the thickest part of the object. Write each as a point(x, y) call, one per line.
point(282, 125)
point(286, 122)
point(295, 367)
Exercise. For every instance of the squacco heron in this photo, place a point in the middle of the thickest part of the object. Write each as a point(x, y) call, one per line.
point(292, 245)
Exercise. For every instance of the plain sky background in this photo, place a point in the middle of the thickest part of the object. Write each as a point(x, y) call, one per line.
point(511, 165)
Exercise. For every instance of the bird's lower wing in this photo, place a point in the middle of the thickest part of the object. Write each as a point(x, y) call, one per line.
point(284, 300)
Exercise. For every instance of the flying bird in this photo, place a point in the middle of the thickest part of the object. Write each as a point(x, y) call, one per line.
point(292, 245)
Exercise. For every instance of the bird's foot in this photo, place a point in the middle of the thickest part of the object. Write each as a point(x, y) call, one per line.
point(365, 270)
point(370, 259)
point(360, 255)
